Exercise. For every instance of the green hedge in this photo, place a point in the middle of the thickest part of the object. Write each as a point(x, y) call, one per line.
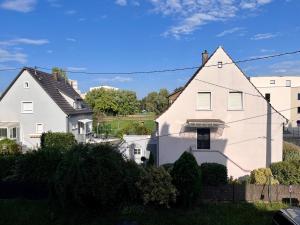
point(214, 174)
point(8, 146)
point(287, 172)
point(290, 151)
point(7, 165)
point(58, 140)
point(262, 176)
point(187, 179)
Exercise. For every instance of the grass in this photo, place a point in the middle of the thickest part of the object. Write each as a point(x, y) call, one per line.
point(21, 212)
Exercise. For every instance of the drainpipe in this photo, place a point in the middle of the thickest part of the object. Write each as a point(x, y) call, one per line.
point(67, 121)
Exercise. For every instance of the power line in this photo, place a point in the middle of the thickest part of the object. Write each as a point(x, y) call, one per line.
point(165, 70)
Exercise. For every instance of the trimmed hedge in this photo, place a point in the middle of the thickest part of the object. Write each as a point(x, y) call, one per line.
point(262, 176)
point(7, 165)
point(213, 174)
point(8, 146)
point(58, 140)
point(290, 151)
point(287, 172)
point(187, 179)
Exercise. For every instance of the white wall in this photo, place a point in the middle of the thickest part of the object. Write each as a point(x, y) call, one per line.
point(242, 144)
point(45, 110)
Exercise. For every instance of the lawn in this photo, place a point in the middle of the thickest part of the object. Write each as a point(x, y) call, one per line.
point(21, 212)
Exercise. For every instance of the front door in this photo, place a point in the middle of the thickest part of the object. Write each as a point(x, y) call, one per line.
point(203, 138)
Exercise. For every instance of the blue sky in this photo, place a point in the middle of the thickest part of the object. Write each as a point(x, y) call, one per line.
point(139, 35)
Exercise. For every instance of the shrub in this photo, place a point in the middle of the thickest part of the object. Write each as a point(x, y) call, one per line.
point(290, 151)
point(7, 165)
point(168, 167)
point(151, 161)
point(156, 187)
point(262, 176)
point(8, 146)
point(213, 174)
point(136, 128)
point(286, 172)
point(37, 167)
point(187, 179)
point(91, 176)
point(58, 140)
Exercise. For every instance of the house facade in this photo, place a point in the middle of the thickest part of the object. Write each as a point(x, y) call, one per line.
point(134, 147)
point(37, 102)
point(283, 92)
point(220, 116)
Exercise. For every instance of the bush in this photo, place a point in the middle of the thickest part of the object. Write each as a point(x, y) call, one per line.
point(8, 146)
point(136, 128)
point(7, 165)
point(262, 176)
point(151, 161)
point(213, 174)
point(290, 151)
point(168, 167)
point(187, 179)
point(286, 172)
point(156, 187)
point(58, 140)
point(37, 167)
point(91, 176)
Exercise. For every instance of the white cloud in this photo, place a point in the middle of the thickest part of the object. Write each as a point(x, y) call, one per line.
point(55, 3)
point(70, 12)
point(230, 31)
point(6, 56)
point(71, 39)
point(115, 79)
point(290, 67)
point(192, 14)
point(25, 41)
point(19, 5)
point(263, 36)
point(121, 2)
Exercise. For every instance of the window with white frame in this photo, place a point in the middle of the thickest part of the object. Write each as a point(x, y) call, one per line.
point(27, 107)
point(288, 83)
point(203, 101)
point(3, 132)
point(137, 151)
point(13, 133)
point(39, 128)
point(235, 100)
point(26, 84)
point(272, 81)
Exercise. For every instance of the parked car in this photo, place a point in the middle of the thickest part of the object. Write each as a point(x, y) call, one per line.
point(290, 216)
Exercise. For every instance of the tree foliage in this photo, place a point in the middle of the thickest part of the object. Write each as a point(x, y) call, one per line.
point(156, 102)
point(58, 140)
point(287, 172)
point(290, 151)
point(113, 102)
point(8, 146)
point(262, 176)
point(62, 73)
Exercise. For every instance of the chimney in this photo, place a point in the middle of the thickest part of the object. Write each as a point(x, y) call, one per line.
point(204, 57)
point(55, 75)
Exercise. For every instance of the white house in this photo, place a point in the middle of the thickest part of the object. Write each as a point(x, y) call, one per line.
point(283, 92)
point(37, 102)
point(221, 117)
point(134, 147)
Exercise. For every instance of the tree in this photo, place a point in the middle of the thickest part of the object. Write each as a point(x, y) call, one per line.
point(156, 102)
point(62, 73)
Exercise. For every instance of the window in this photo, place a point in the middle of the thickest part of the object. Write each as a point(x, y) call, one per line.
point(203, 138)
point(137, 151)
point(268, 97)
point(27, 107)
point(298, 96)
point(26, 84)
point(272, 81)
point(204, 101)
point(220, 64)
point(235, 101)
point(13, 133)
point(3, 132)
point(288, 83)
point(298, 110)
point(39, 128)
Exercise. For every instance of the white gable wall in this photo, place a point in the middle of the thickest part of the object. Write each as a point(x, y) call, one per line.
point(242, 145)
point(45, 110)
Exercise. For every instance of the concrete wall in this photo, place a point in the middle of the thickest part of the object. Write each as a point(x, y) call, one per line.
point(45, 110)
point(243, 144)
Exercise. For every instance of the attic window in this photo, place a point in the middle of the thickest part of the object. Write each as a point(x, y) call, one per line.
point(26, 84)
point(220, 64)
point(272, 81)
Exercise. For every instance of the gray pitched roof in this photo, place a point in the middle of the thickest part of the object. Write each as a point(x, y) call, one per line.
point(54, 88)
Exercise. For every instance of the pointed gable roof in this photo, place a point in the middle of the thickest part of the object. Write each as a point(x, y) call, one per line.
point(54, 88)
point(203, 65)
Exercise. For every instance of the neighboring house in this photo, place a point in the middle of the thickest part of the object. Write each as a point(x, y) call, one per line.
point(37, 102)
point(135, 147)
point(283, 92)
point(221, 117)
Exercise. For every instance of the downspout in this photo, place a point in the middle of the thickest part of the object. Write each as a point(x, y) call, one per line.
point(67, 121)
